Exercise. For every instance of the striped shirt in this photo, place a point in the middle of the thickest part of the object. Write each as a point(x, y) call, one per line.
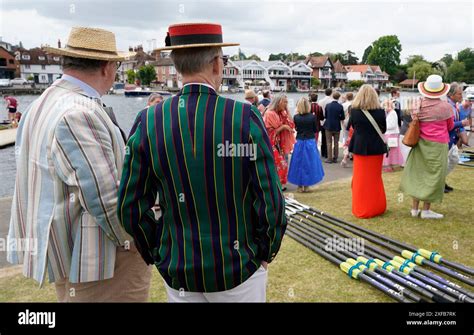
point(222, 210)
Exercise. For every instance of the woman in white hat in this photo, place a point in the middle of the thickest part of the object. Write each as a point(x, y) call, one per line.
point(427, 164)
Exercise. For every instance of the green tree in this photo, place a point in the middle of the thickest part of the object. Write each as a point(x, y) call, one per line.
point(240, 56)
point(147, 74)
point(254, 57)
point(441, 67)
point(280, 56)
point(386, 53)
point(315, 54)
point(447, 59)
point(131, 76)
point(366, 54)
point(315, 82)
point(467, 57)
point(355, 84)
point(350, 58)
point(413, 59)
point(338, 56)
point(422, 70)
point(399, 76)
point(456, 71)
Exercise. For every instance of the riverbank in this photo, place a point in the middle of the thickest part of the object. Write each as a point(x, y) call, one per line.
point(299, 275)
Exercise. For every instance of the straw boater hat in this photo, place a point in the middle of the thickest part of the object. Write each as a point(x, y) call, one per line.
point(433, 87)
point(194, 35)
point(91, 43)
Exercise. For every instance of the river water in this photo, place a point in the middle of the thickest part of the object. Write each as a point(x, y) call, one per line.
point(125, 110)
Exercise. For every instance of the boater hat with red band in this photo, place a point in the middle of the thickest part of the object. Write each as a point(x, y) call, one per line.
point(194, 35)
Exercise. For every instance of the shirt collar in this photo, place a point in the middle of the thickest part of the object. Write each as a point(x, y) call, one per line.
point(90, 91)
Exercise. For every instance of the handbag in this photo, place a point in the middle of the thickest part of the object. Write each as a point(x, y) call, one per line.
point(377, 129)
point(412, 135)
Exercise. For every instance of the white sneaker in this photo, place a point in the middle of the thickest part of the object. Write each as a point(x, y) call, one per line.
point(429, 214)
point(415, 212)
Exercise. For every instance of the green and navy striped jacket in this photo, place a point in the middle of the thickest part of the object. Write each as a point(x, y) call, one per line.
point(222, 211)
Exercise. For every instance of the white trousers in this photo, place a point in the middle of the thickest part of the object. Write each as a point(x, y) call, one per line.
point(253, 289)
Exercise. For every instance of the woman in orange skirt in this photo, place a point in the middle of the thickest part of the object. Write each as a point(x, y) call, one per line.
point(368, 148)
point(368, 193)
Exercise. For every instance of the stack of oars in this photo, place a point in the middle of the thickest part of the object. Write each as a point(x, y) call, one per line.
point(397, 269)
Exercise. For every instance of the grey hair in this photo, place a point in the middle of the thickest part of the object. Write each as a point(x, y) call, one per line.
point(82, 64)
point(453, 89)
point(276, 102)
point(153, 97)
point(194, 60)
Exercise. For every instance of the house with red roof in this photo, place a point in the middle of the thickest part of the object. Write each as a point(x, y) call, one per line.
point(370, 74)
point(323, 69)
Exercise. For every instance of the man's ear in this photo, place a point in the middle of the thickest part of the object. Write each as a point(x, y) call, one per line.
point(215, 65)
point(105, 69)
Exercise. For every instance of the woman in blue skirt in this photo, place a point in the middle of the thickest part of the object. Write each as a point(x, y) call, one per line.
point(306, 168)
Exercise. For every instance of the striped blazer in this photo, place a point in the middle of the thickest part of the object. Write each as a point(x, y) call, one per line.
point(210, 161)
point(69, 161)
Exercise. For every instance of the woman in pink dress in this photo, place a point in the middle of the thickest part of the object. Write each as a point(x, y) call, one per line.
point(392, 136)
point(280, 128)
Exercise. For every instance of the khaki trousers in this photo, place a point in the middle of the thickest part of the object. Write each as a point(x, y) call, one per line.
point(131, 282)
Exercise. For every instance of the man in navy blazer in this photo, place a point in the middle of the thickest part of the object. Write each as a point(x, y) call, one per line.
point(334, 116)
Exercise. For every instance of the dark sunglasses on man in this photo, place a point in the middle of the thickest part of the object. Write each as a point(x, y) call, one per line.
point(225, 59)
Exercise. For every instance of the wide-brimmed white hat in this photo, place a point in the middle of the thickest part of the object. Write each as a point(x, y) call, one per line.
point(91, 43)
point(433, 87)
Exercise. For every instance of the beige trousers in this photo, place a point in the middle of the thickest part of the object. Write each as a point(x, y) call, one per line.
point(131, 282)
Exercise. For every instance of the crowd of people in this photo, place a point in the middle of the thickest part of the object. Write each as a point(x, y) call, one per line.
point(87, 191)
point(372, 136)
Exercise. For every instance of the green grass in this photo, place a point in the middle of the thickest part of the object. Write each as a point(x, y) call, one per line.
point(299, 275)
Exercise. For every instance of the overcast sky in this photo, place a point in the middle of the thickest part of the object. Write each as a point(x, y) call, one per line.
point(431, 28)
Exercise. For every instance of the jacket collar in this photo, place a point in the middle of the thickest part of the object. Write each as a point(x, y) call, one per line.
point(67, 85)
point(197, 88)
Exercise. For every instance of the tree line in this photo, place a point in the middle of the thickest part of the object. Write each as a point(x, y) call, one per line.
point(385, 52)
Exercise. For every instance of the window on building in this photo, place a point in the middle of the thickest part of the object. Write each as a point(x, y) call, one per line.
point(25, 57)
point(56, 59)
point(43, 67)
point(27, 66)
point(41, 58)
point(3, 62)
point(11, 61)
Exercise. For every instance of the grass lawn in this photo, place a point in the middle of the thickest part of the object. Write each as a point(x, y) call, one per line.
point(299, 275)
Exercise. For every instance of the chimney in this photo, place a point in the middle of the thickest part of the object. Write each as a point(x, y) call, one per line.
point(59, 44)
point(130, 49)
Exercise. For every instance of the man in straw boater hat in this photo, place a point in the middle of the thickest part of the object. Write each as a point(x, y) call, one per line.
point(69, 161)
point(210, 160)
